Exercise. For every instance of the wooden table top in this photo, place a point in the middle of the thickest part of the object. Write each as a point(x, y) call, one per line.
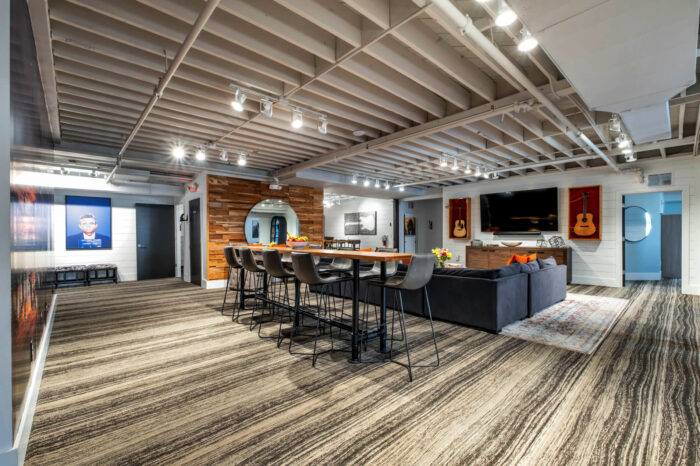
point(369, 256)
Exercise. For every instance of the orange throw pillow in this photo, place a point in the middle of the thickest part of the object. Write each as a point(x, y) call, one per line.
point(531, 257)
point(365, 250)
point(516, 258)
point(255, 244)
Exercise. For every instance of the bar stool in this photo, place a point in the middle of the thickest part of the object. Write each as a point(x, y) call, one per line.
point(307, 274)
point(234, 265)
point(419, 272)
point(258, 280)
point(278, 291)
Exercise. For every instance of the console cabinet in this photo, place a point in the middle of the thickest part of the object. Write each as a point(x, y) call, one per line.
point(493, 257)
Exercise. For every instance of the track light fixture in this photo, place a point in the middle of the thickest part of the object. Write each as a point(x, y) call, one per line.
point(614, 124)
point(401, 188)
point(200, 154)
point(527, 42)
point(224, 156)
point(468, 169)
point(631, 157)
point(627, 150)
point(443, 160)
point(322, 125)
point(482, 1)
point(266, 107)
point(622, 141)
point(477, 171)
point(64, 171)
point(387, 185)
point(505, 16)
point(376, 183)
point(366, 182)
point(494, 176)
point(297, 119)
point(238, 99)
point(486, 175)
point(354, 179)
point(178, 151)
point(242, 160)
point(455, 167)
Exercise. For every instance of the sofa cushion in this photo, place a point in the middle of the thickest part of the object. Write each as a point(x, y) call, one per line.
point(530, 266)
point(547, 263)
point(508, 270)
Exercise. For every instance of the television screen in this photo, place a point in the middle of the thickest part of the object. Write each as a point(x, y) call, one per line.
point(522, 212)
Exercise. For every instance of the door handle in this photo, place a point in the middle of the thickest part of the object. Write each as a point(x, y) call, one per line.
point(140, 246)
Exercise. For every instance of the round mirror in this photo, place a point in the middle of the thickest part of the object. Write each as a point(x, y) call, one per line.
point(637, 223)
point(269, 221)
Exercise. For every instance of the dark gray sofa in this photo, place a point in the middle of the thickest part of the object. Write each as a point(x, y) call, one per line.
point(545, 287)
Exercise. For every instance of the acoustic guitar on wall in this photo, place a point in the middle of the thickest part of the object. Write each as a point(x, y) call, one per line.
point(584, 221)
point(460, 230)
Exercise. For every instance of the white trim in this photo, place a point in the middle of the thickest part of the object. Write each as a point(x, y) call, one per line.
point(213, 284)
point(685, 240)
point(29, 405)
point(643, 275)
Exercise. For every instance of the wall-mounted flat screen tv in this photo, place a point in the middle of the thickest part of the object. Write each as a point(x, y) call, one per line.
point(520, 212)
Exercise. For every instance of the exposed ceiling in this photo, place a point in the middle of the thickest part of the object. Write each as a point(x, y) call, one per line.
point(397, 81)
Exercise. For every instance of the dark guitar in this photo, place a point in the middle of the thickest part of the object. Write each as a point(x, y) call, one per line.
point(584, 221)
point(460, 230)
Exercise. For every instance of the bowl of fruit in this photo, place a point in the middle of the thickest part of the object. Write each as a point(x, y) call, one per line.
point(297, 242)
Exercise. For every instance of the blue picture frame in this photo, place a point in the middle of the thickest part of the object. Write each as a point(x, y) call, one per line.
point(88, 222)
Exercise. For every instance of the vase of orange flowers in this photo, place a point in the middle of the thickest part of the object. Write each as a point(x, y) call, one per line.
point(442, 255)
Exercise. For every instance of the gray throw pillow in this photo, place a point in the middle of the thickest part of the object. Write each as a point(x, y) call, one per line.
point(508, 270)
point(531, 266)
point(547, 263)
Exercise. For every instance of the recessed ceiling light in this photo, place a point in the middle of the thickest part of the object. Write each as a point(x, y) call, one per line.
point(358, 132)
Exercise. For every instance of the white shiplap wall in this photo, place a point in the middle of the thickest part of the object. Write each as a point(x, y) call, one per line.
point(334, 219)
point(597, 262)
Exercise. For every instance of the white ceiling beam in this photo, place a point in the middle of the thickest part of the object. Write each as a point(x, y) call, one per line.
point(329, 15)
point(41, 28)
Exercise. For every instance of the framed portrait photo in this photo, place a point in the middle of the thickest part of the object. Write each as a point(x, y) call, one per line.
point(88, 222)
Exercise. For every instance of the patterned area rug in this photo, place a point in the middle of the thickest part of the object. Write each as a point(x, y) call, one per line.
point(579, 323)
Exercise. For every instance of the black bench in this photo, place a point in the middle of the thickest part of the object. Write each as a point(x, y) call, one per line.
point(97, 273)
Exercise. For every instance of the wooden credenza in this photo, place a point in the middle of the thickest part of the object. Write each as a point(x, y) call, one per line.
point(493, 257)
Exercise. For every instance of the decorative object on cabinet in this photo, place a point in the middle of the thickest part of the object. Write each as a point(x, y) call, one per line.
point(542, 243)
point(584, 213)
point(459, 215)
point(556, 242)
point(511, 244)
point(476, 242)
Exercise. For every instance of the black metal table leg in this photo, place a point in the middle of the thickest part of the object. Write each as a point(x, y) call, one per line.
point(355, 310)
point(297, 298)
point(241, 304)
point(382, 313)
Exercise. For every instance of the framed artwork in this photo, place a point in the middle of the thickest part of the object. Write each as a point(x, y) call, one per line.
point(368, 223)
point(360, 223)
point(459, 218)
point(584, 213)
point(409, 226)
point(352, 223)
point(88, 222)
point(255, 230)
point(30, 219)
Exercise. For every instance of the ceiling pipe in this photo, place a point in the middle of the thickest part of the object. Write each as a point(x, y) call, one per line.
point(466, 27)
point(198, 26)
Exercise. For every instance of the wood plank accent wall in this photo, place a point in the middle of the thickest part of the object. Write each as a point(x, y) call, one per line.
point(230, 199)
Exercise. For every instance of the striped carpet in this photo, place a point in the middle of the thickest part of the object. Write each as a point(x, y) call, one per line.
point(151, 373)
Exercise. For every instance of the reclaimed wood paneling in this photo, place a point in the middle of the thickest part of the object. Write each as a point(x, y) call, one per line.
point(230, 199)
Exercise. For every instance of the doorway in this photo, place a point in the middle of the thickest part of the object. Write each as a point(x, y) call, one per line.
point(652, 236)
point(155, 241)
point(195, 244)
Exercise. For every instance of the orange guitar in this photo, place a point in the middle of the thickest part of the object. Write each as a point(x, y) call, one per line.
point(584, 221)
point(460, 231)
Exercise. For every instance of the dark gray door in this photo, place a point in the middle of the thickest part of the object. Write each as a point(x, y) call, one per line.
point(155, 241)
point(671, 246)
point(195, 244)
